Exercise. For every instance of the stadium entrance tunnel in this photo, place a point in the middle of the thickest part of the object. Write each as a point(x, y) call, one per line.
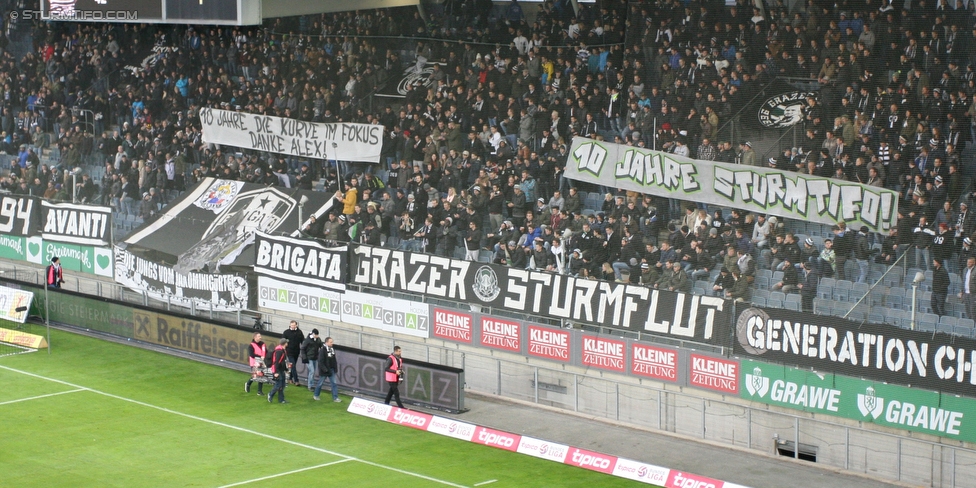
point(788, 449)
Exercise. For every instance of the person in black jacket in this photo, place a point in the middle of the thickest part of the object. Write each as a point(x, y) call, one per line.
point(790, 278)
point(310, 354)
point(843, 242)
point(294, 337)
point(940, 287)
point(808, 289)
point(328, 367)
point(279, 366)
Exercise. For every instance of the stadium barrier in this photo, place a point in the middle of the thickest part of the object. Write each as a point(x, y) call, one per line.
point(530, 446)
point(426, 384)
point(763, 423)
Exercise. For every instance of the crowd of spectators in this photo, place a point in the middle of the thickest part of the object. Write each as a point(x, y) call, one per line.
point(474, 158)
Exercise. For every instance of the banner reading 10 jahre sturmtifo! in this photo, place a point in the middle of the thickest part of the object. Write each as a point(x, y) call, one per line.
point(764, 190)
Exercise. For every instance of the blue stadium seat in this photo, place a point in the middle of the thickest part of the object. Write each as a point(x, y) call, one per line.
point(841, 294)
point(925, 327)
point(825, 291)
point(963, 331)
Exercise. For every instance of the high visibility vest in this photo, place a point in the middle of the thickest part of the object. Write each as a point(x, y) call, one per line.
point(260, 350)
point(391, 377)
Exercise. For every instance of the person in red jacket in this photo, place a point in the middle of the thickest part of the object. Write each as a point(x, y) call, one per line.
point(279, 366)
point(55, 276)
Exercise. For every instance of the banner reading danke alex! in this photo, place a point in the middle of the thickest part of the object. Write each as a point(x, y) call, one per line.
point(755, 189)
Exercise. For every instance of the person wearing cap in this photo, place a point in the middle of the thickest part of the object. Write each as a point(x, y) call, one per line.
point(328, 367)
point(943, 245)
point(295, 338)
point(808, 288)
point(923, 236)
point(965, 223)
point(447, 236)
point(747, 156)
point(331, 228)
point(940, 287)
point(55, 274)
point(310, 355)
point(723, 282)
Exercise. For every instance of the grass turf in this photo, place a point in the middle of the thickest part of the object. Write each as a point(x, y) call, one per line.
point(100, 413)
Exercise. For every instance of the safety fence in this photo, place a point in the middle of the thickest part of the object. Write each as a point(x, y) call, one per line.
point(880, 452)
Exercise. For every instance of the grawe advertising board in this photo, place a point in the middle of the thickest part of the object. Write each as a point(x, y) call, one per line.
point(899, 407)
point(384, 313)
point(755, 189)
point(614, 305)
point(306, 300)
point(342, 141)
point(936, 362)
point(539, 448)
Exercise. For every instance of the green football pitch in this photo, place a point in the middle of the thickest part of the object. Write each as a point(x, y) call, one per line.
point(97, 413)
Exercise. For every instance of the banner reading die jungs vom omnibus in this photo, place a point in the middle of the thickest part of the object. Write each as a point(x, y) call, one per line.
point(755, 189)
point(899, 407)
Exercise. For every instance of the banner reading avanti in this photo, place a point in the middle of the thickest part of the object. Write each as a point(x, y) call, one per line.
point(755, 189)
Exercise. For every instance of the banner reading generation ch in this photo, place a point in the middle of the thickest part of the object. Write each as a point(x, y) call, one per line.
point(346, 142)
point(755, 189)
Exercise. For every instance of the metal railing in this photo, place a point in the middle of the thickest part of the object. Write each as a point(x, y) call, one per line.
point(762, 429)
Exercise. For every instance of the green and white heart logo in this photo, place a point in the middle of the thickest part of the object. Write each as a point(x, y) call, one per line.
point(34, 246)
point(103, 261)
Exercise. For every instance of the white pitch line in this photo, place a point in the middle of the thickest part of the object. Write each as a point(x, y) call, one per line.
point(255, 480)
point(234, 427)
point(42, 396)
point(485, 483)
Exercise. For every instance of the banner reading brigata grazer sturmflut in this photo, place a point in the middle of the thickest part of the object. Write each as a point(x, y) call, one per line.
point(342, 141)
point(755, 189)
point(937, 362)
point(623, 306)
